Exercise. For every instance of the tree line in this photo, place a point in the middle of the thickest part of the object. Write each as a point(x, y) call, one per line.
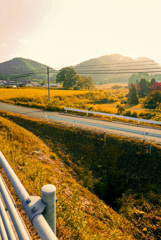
point(150, 90)
point(71, 80)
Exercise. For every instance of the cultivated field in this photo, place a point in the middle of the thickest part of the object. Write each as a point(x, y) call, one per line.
point(98, 100)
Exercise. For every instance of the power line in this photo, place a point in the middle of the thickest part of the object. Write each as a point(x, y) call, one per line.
point(113, 70)
point(111, 64)
point(93, 71)
point(120, 67)
point(125, 72)
point(39, 69)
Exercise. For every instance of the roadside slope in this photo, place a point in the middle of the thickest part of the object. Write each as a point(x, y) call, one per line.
point(80, 214)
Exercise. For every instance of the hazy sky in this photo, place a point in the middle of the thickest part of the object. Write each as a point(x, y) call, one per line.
point(66, 32)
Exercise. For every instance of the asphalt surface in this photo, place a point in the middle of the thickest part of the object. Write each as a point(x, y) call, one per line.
point(41, 114)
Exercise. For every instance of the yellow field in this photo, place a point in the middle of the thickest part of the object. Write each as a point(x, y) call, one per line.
point(97, 100)
point(6, 93)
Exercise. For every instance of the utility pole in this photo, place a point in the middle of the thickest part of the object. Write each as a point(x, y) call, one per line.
point(48, 85)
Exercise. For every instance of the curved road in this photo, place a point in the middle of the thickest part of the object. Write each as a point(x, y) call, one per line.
point(41, 114)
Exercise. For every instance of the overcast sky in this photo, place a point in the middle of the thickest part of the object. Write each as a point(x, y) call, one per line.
point(61, 33)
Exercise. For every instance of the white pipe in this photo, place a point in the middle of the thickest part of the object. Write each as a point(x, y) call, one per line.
point(43, 228)
point(6, 222)
point(21, 232)
point(3, 233)
point(17, 185)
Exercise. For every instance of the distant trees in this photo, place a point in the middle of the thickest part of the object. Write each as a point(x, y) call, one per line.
point(132, 96)
point(84, 82)
point(90, 83)
point(43, 82)
point(143, 87)
point(153, 100)
point(67, 76)
point(136, 77)
point(155, 86)
point(2, 76)
point(71, 80)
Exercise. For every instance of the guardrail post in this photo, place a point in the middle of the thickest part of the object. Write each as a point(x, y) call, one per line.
point(105, 136)
point(49, 198)
point(150, 149)
point(47, 118)
point(144, 136)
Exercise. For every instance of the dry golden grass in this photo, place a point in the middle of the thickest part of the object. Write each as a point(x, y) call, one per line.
point(98, 100)
point(6, 93)
point(80, 214)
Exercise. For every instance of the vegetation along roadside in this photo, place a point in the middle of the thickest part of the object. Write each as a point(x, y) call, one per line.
point(123, 174)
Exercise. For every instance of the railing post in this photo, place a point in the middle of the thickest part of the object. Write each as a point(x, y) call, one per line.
point(150, 149)
point(46, 116)
point(49, 198)
point(144, 136)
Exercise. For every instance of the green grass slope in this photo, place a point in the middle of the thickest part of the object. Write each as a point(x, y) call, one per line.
point(21, 66)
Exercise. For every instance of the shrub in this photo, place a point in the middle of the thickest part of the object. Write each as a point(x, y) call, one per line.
point(120, 109)
point(127, 113)
point(134, 114)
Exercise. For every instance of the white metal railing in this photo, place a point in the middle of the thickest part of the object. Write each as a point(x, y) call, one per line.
point(44, 221)
point(105, 127)
point(113, 115)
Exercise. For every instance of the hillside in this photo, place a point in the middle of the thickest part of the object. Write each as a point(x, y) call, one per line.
point(115, 63)
point(11, 68)
point(99, 68)
point(80, 213)
point(122, 173)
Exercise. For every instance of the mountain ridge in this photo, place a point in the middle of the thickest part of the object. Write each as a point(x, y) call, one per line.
point(111, 66)
point(104, 69)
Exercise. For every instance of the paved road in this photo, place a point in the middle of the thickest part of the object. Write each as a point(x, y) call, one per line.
point(41, 114)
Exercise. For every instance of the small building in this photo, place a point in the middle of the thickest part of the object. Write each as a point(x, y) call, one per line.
point(35, 84)
point(11, 83)
point(2, 83)
point(27, 84)
point(51, 85)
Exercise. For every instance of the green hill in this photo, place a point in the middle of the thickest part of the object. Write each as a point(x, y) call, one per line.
point(97, 67)
point(14, 68)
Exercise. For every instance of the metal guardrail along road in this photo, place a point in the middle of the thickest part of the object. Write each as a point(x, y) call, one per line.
point(113, 116)
point(45, 223)
point(105, 127)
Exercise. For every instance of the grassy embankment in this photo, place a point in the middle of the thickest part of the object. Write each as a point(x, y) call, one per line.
point(121, 173)
point(38, 161)
point(102, 101)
